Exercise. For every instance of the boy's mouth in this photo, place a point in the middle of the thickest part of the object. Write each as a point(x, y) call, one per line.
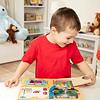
point(63, 44)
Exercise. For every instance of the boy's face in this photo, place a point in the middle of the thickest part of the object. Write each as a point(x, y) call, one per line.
point(65, 37)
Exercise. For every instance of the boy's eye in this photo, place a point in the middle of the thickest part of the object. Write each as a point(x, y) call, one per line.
point(68, 38)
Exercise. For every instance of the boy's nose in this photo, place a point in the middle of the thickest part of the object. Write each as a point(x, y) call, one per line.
point(71, 41)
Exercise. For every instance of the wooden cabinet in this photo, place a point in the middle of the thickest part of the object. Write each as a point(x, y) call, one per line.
point(11, 52)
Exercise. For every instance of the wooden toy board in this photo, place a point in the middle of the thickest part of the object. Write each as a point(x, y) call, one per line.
point(47, 89)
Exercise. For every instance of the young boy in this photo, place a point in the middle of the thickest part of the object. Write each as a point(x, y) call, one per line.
point(54, 50)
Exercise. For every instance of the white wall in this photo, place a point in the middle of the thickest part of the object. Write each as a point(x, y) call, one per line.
point(86, 9)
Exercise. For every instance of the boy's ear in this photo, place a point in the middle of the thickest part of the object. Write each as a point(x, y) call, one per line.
point(53, 29)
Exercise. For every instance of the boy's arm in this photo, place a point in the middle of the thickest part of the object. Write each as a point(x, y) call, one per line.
point(86, 70)
point(15, 79)
point(21, 69)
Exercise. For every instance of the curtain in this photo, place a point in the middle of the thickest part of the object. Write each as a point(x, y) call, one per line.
point(9, 5)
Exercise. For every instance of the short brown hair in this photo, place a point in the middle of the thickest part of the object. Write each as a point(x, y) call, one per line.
point(64, 17)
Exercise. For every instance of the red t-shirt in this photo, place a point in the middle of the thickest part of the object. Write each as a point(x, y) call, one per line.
point(52, 61)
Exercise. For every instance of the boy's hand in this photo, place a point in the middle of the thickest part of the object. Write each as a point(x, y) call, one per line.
point(92, 77)
point(12, 82)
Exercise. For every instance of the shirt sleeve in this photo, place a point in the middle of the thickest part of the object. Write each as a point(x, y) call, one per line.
point(31, 53)
point(76, 55)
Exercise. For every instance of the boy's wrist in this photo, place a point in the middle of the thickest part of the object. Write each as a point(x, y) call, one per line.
point(91, 73)
point(16, 77)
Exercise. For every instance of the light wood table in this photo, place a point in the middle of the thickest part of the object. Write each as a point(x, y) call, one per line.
point(88, 92)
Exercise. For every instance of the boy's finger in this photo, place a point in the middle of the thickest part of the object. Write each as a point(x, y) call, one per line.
point(86, 77)
point(10, 83)
point(13, 85)
point(90, 83)
point(6, 83)
point(16, 83)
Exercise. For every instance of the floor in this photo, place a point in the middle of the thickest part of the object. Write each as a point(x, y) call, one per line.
point(7, 70)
